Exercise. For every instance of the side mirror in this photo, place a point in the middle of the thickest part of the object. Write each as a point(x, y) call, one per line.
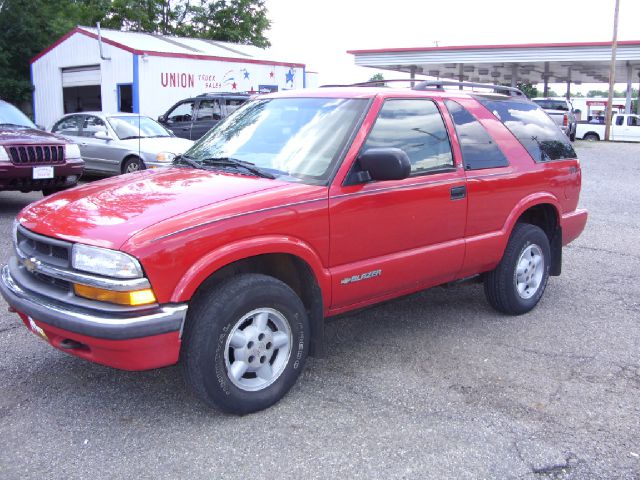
point(102, 135)
point(383, 164)
point(162, 119)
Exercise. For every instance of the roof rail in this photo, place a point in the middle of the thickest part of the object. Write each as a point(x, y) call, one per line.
point(440, 84)
point(436, 85)
point(371, 83)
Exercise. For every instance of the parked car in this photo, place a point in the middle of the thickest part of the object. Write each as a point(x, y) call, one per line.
point(624, 128)
point(561, 111)
point(32, 159)
point(193, 117)
point(302, 205)
point(120, 142)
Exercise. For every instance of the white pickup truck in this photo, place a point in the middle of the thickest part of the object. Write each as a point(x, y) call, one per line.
point(625, 128)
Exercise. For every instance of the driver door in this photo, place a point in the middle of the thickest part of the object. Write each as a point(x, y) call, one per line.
point(180, 119)
point(400, 236)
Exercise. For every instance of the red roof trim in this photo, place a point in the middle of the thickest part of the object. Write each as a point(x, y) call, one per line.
point(83, 32)
point(161, 54)
point(223, 59)
point(480, 47)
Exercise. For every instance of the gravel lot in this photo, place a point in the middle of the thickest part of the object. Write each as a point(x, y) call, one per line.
point(434, 385)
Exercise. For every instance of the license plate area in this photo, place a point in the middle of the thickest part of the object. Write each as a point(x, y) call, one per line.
point(40, 173)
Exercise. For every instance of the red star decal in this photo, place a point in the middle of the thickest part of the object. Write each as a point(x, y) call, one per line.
point(233, 86)
point(272, 74)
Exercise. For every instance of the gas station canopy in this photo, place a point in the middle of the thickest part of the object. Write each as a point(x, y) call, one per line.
point(569, 63)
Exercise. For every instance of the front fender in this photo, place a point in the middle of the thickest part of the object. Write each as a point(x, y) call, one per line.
point(247, 248)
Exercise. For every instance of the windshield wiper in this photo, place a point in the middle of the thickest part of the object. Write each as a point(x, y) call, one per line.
point(234, 162)
point(185, 160)
point(131, 137)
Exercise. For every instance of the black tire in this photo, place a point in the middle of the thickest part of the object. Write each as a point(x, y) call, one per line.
point(591, 137)
point(133, 164)
point(501, 284)
point(207, 351)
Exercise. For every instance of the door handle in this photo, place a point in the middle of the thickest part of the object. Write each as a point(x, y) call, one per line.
point(458, 192)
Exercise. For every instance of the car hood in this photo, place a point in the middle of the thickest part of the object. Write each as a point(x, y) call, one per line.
point(26, 136)
point(159, 144)
point(108, 212)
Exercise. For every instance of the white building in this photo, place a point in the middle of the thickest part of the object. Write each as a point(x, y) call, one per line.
point(147, 73)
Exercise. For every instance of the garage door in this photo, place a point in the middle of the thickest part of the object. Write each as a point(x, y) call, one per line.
point(81, 76)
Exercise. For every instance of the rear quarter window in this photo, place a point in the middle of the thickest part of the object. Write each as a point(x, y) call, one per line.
point(532, 127)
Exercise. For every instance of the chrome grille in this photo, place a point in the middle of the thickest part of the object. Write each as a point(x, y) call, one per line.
point(36, 154)
point(47, 250)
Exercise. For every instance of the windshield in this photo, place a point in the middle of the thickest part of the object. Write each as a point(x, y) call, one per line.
point(128, 126)
point(11, 116)
point(294, 139)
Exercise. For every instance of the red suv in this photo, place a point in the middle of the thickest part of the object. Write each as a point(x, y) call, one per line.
point(299, 206)
point(32, 159)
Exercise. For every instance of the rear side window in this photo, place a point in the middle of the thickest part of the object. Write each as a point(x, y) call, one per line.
point(533, 128)
point(479, 150)
point(416, 127)
point(68, 126)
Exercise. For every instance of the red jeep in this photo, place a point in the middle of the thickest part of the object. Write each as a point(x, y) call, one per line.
point(32, 159)
point(299, 206)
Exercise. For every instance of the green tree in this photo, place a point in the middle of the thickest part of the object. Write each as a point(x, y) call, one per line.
point(237, 21)
point(28, 26)
point(530, 90)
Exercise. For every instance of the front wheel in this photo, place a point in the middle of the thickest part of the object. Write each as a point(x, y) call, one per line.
point(132, 164)
point(245, 343)
point(518, 282)
point(591, 137)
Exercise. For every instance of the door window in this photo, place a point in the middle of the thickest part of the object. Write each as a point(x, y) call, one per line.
point(417, 128)
point(209, 110)
point(68, 126)
point(632, 121)
point(233, 104)
point(93, 124)
point(182, 113)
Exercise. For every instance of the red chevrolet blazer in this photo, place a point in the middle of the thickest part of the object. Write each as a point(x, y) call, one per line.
point(299, 206)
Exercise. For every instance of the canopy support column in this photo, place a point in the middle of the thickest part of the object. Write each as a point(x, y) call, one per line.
point(627, 104)
point(545, 77)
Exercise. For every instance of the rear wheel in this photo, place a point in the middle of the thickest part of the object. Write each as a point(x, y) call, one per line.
point(245, 343)
point(518, 282)
point(591, 137)
point(132, 164)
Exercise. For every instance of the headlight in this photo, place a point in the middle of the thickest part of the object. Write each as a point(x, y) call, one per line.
point(3, 155)
point(103, 261)
point(71, 150)
point(165, 157)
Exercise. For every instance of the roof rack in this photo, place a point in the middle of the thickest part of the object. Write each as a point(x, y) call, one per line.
point(436, 85)
point(440, 84)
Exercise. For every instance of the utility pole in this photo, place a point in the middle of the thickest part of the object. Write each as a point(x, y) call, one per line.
point(612, 74)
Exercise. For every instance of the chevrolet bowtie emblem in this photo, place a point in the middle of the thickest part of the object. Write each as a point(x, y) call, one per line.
point(30, 264)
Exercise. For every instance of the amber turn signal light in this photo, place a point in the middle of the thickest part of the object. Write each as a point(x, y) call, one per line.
point(134, 298)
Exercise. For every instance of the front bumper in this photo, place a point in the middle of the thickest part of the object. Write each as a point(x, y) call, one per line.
point(20, 177)
point(130, 341)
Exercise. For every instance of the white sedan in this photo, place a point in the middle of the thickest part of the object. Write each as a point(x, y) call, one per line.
point(114, 143)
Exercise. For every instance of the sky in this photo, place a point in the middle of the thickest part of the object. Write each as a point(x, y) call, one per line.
point(318, 34)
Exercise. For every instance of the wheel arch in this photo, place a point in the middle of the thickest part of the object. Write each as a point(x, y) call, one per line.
point(544, 212)
point(304, 275)
point(591, 133)
point(127, 157)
